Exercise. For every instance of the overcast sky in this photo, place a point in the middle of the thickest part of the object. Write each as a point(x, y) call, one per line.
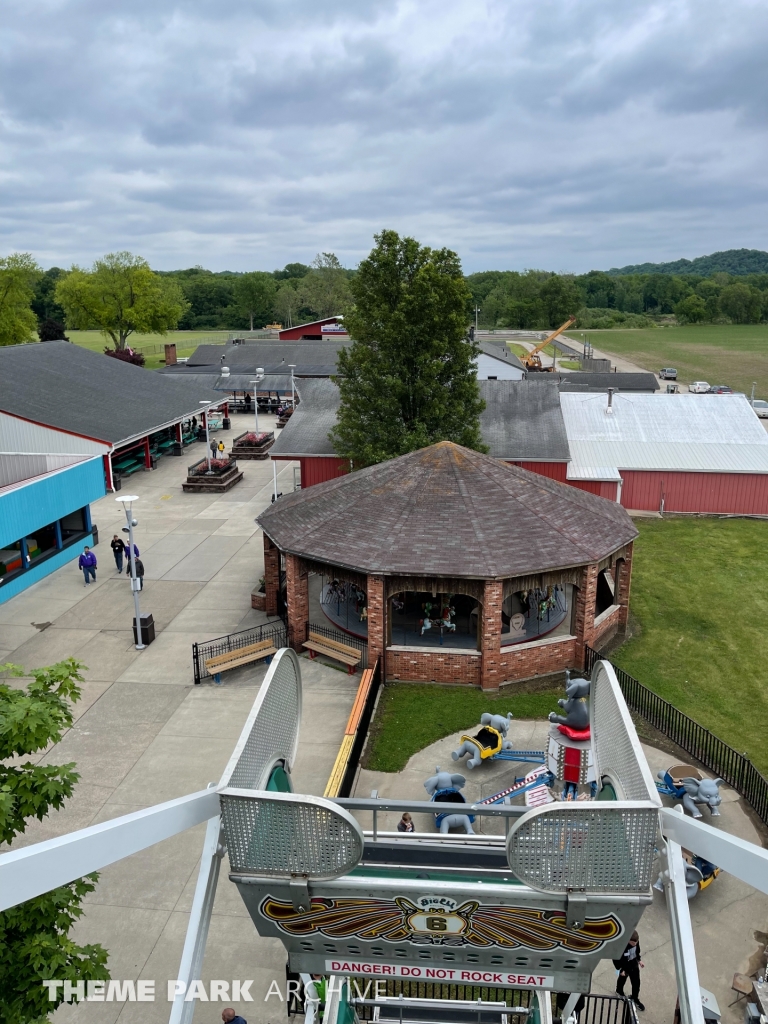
point(244, 134)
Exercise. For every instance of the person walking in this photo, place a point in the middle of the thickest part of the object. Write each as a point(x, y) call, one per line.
point(214, 445)
point(128, 557)
point(87, 562)
point(118, 550)
point(139, 572)
point(628, 965)
point(230, 1017)
point(220, 449)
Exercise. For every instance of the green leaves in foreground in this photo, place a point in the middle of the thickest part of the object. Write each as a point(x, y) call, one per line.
point(34, 936)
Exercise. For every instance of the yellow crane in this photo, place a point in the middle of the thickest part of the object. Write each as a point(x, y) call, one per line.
point(532, 361)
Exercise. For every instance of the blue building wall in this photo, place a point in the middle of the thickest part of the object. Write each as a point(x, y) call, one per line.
point(41, 502)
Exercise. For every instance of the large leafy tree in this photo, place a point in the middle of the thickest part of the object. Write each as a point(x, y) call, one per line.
point(34, 936)
point(408, 379)
point(120, 295)
point(18, 275)
point(255, 296)
point(325, 290)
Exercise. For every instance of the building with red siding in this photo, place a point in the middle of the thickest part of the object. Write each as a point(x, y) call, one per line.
point(669, 453)
point(317, 330)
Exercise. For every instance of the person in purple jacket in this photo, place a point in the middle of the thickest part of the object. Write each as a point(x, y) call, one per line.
point(87, 563)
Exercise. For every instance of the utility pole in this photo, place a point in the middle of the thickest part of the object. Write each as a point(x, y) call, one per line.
point(127, 503)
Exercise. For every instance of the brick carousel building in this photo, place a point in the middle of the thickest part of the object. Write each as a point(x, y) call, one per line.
point(455, 567)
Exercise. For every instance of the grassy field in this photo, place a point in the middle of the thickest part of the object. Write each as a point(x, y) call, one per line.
point(700, 599)
point(152, 344)
point(413, 715)
point(733, 354)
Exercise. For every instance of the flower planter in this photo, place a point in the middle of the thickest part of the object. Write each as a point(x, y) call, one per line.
point(251, 445)
point(259, 600)
point(223, 475)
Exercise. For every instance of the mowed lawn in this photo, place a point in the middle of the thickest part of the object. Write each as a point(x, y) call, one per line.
point(152, 345)
point(410, 716)
point(733, 354)
point(700, 598)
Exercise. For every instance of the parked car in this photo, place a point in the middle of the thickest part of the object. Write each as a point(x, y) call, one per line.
point(668, 373)
point(720, 389)
point(761, 408)
point(698, 387)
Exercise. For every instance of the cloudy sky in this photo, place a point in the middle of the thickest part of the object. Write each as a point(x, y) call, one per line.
point(244, 134)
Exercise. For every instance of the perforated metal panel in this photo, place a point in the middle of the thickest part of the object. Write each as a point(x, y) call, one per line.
point(616, 747)
point(278, 835)
point(271, 731)
point(589, 847)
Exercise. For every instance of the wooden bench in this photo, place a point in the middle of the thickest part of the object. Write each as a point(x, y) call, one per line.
point(318, 644)
point(241, 656)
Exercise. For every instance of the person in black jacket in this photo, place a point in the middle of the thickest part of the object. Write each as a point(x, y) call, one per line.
point(628, 965)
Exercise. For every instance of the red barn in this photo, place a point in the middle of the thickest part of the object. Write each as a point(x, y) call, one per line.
point(329, 328)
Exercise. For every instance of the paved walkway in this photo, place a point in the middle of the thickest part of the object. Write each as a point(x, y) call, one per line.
point(144, 733)
point(728, 917)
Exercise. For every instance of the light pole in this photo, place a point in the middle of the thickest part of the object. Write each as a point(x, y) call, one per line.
point(293, 386)
point(477, 310)
point(207, 439)
point(259, 379)
point(127, 503)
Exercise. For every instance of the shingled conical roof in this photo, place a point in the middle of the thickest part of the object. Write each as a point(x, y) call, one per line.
point(447, 511)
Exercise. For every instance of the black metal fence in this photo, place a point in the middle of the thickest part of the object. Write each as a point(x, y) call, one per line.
point(343, 638)
point(736, 769)
point(275, 631)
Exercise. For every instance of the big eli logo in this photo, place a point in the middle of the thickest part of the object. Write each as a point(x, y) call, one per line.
point(436, 916)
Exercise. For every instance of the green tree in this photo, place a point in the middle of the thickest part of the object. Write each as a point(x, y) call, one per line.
point(288, 302)
point(692, 310)
point(44, 304)
point(255, 296)
point(325, 290)
point(34, 936)
point(118, 296)
point(291, 272)
point(18, 274)
point(742, 303)
point(408, 379)
point(560, 299)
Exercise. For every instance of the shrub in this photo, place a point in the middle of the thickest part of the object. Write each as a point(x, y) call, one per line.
point(126, 355)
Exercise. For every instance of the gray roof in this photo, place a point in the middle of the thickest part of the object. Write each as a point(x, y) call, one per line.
point(316, 358)
point(70, 388)
point(580, 380)
point(523, 421)
point(501, 352)
point(447, 511)
point(306, 432)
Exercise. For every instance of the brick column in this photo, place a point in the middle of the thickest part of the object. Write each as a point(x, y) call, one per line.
point(271, 575)
point(585, 610)
point(490, 635)
point(376, 621)
point(625, 584)
point(297, 592)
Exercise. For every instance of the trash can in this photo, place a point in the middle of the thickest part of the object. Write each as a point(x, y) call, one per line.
point(147, 629)
point(95, 533)
point(225, 423)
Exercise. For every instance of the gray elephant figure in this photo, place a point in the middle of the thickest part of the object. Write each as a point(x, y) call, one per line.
point(485, 743)
point(575, 705)
point(444, 787)
point(701, 791)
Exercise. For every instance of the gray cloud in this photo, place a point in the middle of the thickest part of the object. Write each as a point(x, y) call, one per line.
point(567, 134)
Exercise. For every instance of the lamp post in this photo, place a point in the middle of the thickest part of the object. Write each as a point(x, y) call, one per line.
point(293, 386)
point(259, 379)
point(127, 503)
point(207, 439)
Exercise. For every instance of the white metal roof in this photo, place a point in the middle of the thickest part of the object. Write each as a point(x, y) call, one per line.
point(689, 433)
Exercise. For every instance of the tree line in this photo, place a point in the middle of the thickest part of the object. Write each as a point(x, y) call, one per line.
point(536, 299)
point(120, 295)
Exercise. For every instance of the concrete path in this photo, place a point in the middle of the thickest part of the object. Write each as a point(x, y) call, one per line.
point(729, 917)
point(144, 733)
